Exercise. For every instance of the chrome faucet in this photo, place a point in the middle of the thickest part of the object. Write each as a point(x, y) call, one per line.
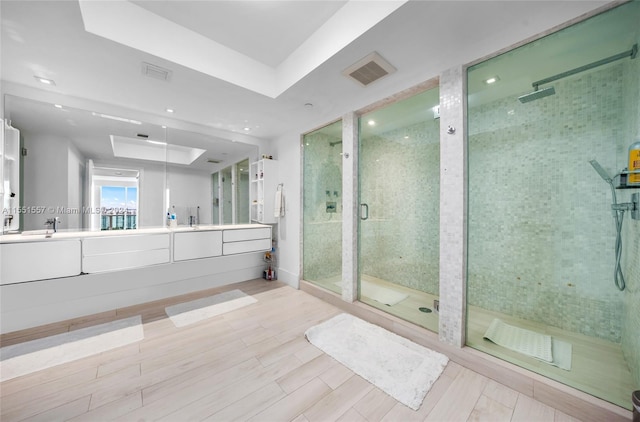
point(52, 223)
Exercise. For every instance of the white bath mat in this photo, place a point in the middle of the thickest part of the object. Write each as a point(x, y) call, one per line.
point(404, 370)
point(31, 356)
point(380, 294)
point(191, 312)
point(540, 346)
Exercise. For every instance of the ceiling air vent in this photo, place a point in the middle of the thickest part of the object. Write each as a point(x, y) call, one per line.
point(369, 69)
point(156, 72)
point(214, 161)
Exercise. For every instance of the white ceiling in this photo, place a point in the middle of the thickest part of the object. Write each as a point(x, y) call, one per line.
point(248, 26)
point(419, 38)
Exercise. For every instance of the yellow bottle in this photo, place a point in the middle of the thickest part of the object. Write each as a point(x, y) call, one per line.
point(634, 163)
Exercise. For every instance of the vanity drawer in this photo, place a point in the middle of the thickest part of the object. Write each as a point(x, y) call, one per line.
point(112, 253)
point(125, 243)
point(238, 235)
point(39, 260)
point(124, 260)
point(230, 248)
point(195, 245)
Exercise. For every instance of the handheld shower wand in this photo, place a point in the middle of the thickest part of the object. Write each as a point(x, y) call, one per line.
point(618, 217)
point(602, 172)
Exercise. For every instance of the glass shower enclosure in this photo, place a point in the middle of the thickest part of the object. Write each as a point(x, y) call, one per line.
point(399, 186)
point(541, 238)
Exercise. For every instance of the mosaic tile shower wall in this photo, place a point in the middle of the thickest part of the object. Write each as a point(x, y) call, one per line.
point(631, 229)
point(541, 236)
point(400, 181)
point(322, 217)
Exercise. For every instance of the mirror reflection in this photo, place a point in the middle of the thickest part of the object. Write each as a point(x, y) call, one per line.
point(72, 169)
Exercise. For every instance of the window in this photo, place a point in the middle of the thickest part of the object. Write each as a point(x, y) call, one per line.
point(118, 207)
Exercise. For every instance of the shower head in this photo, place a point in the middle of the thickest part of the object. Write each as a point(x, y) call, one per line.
point(602, 172)
point(538, 93)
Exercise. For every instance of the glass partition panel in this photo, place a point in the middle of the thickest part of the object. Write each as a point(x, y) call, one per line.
point(227, 195)
point(322, 210)
point(242, 192)
point(215, 194)
point(399, 178)
point(545, 122)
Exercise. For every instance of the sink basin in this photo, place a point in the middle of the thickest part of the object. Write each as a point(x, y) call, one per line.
point(34, 233)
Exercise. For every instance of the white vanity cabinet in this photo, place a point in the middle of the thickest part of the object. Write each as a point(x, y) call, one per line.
point(111, 253)
point(197, 245)
point(20, 262)
point(75, 274)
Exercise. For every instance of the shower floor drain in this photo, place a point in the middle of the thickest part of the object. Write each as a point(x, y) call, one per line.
point(425, 310)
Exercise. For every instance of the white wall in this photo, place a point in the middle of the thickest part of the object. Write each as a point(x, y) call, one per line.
point(286, 150)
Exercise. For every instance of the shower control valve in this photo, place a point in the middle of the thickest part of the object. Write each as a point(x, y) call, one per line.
point(633, 207)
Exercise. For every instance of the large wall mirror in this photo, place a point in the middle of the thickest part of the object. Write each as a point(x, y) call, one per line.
point(98, 171)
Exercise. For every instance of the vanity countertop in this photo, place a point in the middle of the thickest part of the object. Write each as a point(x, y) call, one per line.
point(40, 235)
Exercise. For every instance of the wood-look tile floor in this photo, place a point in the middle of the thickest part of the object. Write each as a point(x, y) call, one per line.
point(249, 364)
point(598, 366)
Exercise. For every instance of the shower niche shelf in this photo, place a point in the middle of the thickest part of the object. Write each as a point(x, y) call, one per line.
point(623, 175)
point(263, 175)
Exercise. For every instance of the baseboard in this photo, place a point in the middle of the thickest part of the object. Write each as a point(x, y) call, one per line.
point(289, 278)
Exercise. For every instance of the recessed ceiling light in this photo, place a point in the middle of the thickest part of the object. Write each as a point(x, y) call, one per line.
point(371, 122)
point(406, 137)
point(491, 80)
point(247, 129)
point(45, 80)
point(308, 105)
point(57, 106)
point(170, 110)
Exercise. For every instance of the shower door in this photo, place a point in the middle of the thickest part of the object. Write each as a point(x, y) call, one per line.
point(399, 176)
